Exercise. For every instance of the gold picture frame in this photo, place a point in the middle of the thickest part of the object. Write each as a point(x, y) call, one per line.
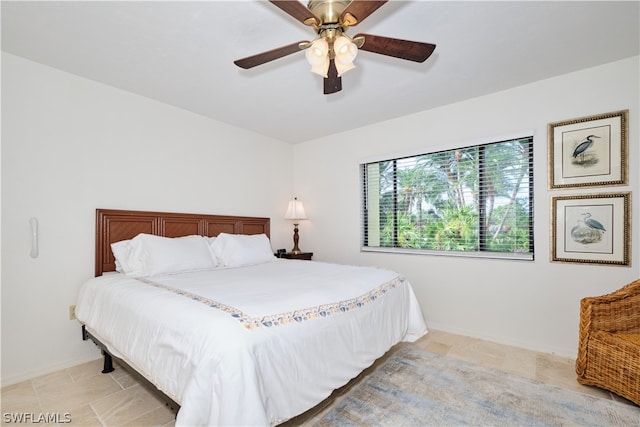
point(589, 151)
point(591, 228)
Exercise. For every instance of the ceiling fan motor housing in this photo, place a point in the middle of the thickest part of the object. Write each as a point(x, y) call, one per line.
point(328, 11)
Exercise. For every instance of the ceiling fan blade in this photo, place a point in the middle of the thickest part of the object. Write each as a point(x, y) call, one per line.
point(333, 82)
point(359, 9)
point(270, 55)
point(403, 49)
point(296, 10)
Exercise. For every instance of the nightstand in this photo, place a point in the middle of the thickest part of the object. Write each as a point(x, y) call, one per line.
point(302, 255)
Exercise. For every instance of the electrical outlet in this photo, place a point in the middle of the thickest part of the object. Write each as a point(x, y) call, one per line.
point(72, 312)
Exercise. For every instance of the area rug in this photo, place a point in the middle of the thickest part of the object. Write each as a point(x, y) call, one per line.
point(418, 388)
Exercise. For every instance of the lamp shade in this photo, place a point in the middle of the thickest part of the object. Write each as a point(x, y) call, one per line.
point(345, 51)
point(295, 211)
point(317, 56)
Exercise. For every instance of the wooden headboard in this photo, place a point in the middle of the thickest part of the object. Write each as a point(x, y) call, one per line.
point(115, 225)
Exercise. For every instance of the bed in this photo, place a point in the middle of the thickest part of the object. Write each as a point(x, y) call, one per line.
point(250, 340)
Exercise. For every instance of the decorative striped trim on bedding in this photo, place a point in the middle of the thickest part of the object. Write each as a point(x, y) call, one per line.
point(280, 319)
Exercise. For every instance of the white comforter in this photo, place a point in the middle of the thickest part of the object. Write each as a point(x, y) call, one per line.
point(253, 345)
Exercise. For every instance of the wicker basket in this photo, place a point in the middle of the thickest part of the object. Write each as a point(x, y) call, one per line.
point(609, 345)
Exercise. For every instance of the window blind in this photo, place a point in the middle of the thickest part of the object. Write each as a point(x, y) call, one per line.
point(470, 200)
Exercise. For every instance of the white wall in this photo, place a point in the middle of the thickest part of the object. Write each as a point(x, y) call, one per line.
point(530, 304)
point(71, 145)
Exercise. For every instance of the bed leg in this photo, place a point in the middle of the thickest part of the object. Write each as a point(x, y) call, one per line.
point(108, 363)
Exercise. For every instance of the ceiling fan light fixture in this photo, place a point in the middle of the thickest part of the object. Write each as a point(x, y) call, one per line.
point(333, 52)
point(343, 68)
point(345, 52)
point(318, 57)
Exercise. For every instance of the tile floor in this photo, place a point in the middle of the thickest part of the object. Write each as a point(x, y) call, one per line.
point(89, 398)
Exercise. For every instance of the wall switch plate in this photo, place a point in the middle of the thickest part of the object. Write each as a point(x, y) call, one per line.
point(72, 312)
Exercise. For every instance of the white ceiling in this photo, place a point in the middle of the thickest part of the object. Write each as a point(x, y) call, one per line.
point(182, 53)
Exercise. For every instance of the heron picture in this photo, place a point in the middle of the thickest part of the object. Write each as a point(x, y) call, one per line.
point(586, 227)
point(588, 151)
point(587, 230)
point(591, 228)
point(580, 155)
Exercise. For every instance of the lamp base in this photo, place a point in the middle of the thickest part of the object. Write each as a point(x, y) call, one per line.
point(296, 249)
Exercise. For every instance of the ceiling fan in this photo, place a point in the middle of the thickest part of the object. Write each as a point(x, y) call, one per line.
point(332, 52)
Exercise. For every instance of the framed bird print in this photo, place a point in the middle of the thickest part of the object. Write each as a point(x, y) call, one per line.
point(588, 151)
point(592, 228)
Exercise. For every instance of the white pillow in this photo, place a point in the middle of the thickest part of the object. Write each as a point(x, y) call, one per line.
point(152, 255)
point(121, 251)
point(236, 250)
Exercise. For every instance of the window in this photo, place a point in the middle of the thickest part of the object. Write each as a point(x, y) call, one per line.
point(475, 201)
